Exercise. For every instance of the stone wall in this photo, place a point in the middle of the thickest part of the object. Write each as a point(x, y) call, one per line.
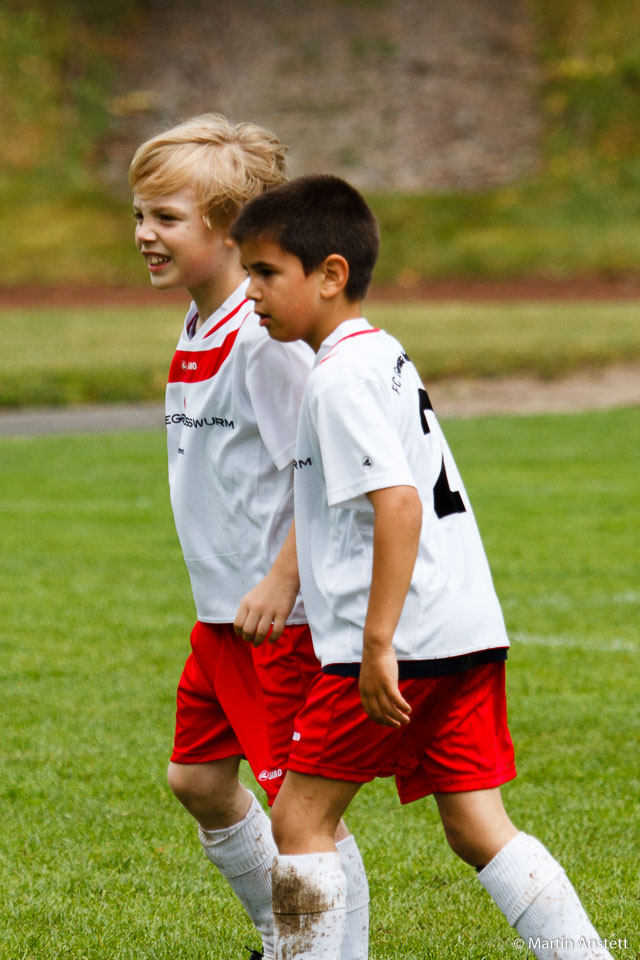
point(408, 94)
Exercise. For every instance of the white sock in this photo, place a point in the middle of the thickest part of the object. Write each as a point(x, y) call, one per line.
point(533, 892)
point(355, 940)
point(243, 853)
point(309, 895)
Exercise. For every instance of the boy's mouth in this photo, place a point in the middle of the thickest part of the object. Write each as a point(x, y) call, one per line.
point(156, 259)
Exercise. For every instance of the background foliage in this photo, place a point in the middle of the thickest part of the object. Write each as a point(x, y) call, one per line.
point(58, 62)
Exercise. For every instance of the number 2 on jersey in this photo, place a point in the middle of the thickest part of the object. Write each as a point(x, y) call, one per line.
point(445, 500)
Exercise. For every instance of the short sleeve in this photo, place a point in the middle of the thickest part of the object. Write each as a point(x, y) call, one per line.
point(360, 445)
point(276, 375)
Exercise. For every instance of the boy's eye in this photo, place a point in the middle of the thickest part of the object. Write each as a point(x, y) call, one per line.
point(137, 216)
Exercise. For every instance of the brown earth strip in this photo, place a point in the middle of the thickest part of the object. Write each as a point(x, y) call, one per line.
point(586, 288)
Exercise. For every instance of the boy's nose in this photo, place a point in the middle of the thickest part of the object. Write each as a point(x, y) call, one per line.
point(252, 291)
point(145, 234)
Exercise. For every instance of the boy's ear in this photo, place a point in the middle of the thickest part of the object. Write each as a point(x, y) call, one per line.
point(229, 241)
point(335, 275)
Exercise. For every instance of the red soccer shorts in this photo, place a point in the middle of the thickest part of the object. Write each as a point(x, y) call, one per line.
point(457, 739)
point(238, 700)
point(286, 670)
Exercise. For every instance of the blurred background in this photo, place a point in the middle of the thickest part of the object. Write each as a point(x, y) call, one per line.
point(494, 138)
point(498, 143)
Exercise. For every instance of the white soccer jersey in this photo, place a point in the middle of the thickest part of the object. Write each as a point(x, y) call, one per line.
point(232, 406)
point(366, 423)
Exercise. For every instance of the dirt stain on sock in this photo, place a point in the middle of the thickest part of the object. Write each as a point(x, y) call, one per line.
point(297, 903)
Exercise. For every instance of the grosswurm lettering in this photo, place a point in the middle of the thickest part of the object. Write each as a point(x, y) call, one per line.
point(196, 422)
point(299, 464)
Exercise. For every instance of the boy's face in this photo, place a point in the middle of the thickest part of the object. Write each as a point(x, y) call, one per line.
point(179, 248)
point(288, 302)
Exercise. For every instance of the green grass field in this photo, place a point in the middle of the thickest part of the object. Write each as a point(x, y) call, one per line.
point(97, 355)
point(99, 861)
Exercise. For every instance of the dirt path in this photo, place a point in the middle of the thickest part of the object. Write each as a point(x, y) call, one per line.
point(610, 387)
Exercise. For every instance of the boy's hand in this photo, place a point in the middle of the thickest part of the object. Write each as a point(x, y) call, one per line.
point(263, 612)
point(381, 698)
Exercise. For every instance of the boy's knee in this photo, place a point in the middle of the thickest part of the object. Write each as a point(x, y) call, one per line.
point(198, 782)
point(211, 792)
point(180, 780)
point(279, 826)
point(477, 844)
point(459, 843)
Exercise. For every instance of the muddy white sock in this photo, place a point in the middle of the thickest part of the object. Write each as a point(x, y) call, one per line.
point(243, 853)
point(533, 892)
point(309, 896)
point(355, 939)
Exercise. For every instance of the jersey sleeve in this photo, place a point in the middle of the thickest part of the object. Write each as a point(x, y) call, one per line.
point(276, 375)
point(359, 442)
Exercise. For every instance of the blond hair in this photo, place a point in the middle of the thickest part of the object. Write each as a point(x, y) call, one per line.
point(225, 163)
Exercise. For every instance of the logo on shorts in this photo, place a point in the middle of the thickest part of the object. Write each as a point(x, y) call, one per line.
point(296, 735)
point(367, 463)
point(269, 775)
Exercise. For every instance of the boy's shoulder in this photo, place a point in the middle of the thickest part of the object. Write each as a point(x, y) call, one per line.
point(356, 350)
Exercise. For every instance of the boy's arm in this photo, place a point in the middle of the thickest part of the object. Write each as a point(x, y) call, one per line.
point(396, 535)
point(264, 610)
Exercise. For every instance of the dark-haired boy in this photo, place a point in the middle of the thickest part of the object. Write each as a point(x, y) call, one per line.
point(403, 613)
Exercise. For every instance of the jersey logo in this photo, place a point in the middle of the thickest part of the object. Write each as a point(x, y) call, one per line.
point(265, 775)
point(193, 366)
point(299, 464)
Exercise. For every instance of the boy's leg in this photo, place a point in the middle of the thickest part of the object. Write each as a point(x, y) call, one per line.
point(355, 938)
point(286, 671)
point(235, 834)
point(220, 718)
point(521, 876)
point(309, 883)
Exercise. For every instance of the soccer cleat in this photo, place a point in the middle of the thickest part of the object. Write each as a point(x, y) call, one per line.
point(254, 954)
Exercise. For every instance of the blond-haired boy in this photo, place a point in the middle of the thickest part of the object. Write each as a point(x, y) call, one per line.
point(232, 404)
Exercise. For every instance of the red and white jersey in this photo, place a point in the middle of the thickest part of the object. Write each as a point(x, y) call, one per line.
point(366, 423)
point(232, 405)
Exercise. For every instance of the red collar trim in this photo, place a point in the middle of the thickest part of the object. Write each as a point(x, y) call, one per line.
point(358, 333)
point(224, 320)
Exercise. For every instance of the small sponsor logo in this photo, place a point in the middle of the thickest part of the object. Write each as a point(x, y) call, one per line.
point(189, 365)
point(396, 379)
point(296, 735)
point(265, 775)
point(367, 463)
